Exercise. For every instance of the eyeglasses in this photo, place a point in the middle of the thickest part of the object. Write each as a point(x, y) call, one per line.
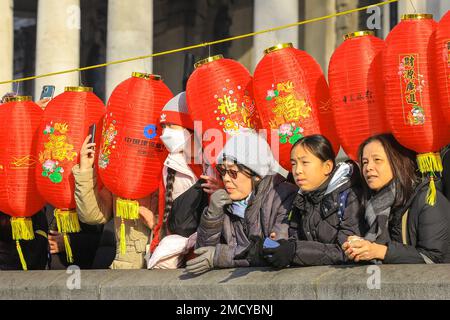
point(223, 171)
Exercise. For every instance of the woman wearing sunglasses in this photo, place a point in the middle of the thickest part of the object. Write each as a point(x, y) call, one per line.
point(252, 207)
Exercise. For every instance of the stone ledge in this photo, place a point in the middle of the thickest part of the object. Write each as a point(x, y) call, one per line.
point(398, 282)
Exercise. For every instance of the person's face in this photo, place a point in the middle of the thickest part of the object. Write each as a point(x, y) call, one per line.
point(237, 184)
point(309, 171)
point(375, 164)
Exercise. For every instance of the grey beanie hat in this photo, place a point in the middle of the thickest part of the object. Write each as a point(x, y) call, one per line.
point(253, 151)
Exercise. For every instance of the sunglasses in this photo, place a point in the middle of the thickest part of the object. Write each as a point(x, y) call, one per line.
point(223, 171)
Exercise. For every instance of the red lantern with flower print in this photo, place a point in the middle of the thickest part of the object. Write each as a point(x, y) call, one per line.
point(19, 197)
point(292, 98)
point(355, 76)
point(131, 152)
point(411, 95)
point(63, 129)
point(442, 56)
point(219, 94)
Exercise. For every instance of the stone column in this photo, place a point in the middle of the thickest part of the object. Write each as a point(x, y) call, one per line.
point(130, 34)
point(270, 14)
point(6, 44)
point(420, 6)
point(57, 43)
point(320, 36)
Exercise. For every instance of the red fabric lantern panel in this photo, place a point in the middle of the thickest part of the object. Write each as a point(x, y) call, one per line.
point(357, 93)
point(410, 91)
point(219, 94)
point(63, 129)
point(442, 56)
point(19, 125)
point(292, 97)
point(131, 152)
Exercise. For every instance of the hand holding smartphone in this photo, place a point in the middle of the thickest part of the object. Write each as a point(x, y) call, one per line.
point(92, 129)
point(270, 244)
point(47, 92)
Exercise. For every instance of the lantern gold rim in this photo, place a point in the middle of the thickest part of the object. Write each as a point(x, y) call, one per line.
point(78, 89)
point(207, 60)
point(417, 16)
point(278, 47)
point(146, 76)
point(18, 99)
point(356, 34)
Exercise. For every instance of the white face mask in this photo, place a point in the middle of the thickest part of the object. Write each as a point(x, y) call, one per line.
point(175, 140)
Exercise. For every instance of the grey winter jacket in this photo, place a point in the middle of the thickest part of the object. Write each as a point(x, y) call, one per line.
point(266, 213)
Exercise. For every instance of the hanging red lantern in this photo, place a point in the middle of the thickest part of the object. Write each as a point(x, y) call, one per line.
point(356, 86)
point(131, 152)
point(63, 129)
point(219, 94)
point(292, 97)
point(411, 96)
point(19, 197)
point(442, 56)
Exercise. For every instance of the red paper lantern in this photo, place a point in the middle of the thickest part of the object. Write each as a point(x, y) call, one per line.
point(219, 94)
point(131, 152)
point(356, 86)
point(64, 127)
point(19, 197)
point(411, 95)
point(442, 56)
point(292, 97)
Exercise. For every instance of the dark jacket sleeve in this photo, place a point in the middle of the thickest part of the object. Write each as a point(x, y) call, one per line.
point(209, 230)
point(428, 226)
point(84, 244)
point(227, 252)
point(314, 253)
point(187, 210)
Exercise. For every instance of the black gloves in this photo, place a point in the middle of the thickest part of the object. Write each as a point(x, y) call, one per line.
point(281, 256)
point(217, 202)
point(254, 252)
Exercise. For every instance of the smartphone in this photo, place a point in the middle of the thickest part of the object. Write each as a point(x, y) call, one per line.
point(47, 92)
point(92, 133)
point(269, 244)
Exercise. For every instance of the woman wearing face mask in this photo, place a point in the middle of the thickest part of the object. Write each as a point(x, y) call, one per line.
point(252, 207)
point(184, 192)
point(403, 228)
point(326, 210)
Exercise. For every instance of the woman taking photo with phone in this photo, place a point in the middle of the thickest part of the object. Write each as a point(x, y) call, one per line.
point(403, 227)
point(252, 206)
point(326, 210)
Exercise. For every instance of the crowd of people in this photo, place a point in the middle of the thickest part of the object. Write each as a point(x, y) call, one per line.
point(247, 211)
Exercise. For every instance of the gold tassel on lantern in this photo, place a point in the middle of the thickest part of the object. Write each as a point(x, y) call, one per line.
point(67, 222)
point(22, 229)
point(430, 163)
point(126, 209)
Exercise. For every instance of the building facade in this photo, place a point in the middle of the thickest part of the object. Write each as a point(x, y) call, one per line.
point(42, 36)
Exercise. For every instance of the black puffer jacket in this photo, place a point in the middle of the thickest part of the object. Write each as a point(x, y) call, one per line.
point(187, 209)
point(315, 220)
point(427, 230)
